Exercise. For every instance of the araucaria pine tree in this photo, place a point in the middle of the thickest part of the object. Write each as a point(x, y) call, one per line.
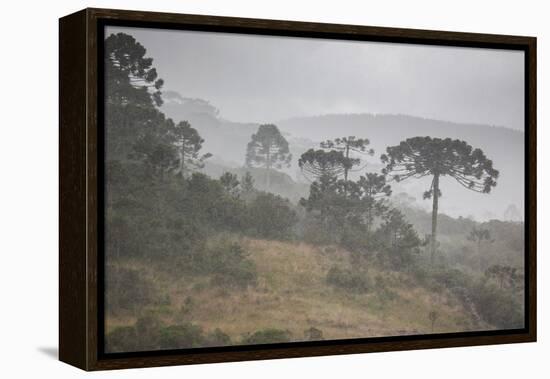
point(373, 189)
point(268, 149)
point(189, 143)
point(320, 164)
point(418, 157)
point(348, 146)
point(478, 236)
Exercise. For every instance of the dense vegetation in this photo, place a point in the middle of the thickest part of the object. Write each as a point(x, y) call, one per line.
point(177, 238)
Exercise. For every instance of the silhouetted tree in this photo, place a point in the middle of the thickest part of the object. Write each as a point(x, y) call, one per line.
point(343, 205)
point(512, 213)
point(478, 236)
point(271, 216)
point(247, 183)
point(269, 149)
point(189, 143)
point(160, 157)
point(335, 207)
point(321, 163)
point(132, 95)
point(349, 145)
point(373, 188)
point(398, 240)
point(504, 275)
point(157, 150)
point(230, 184)
point(131, 77)
point(418, 157)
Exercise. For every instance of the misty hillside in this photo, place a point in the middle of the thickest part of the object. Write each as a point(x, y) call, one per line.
point(227, 139)
point(222, 138)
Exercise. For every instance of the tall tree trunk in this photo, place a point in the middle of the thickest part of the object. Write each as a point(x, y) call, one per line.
point(182, 158)
point(433, 241)
point(369, 220)
point(182, 165)
point(479, 253)
point(268, 165)
point(346, 172)
point(346, 169)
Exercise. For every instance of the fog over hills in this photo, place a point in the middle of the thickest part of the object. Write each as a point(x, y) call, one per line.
point(227, 141)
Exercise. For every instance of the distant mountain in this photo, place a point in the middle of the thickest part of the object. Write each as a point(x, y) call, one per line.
point(227, 141)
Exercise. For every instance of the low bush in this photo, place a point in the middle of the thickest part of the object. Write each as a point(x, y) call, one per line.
point(501, 308)
point(451, 278)
point(180, 336)
point(313, 334)
point(270, 216)
point(267, 336)
point(351, 280)
point(149, 333)
point(314, 232)
point(123, 339)
point(383, 290)
point(217, 338)
point(230, 266)
point(127, 292)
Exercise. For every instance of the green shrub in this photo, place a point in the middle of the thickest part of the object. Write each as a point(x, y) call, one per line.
point(230, 266)
point(181, 336)
point(350, 280)
point(122, 339)
point(143, 335)
point(267, 336)
point(314, 232)
point(451, 278)
point(354, 239)
point(271, 216)
point(313, 334)
point(383, 290)
point(217, 338)
point(397, 241)
point(127, 292)
point(239, 276)
point(149, 333)
point(501, 308)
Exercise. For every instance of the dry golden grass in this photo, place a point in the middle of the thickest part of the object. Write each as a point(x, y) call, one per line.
point(292, 294)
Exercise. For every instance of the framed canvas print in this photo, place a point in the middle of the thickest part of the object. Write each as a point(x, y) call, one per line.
point(238, 189)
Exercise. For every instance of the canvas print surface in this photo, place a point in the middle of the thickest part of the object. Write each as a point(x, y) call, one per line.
point(263, 189)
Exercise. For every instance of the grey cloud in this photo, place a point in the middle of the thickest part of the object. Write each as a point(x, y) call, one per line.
point(265, 79)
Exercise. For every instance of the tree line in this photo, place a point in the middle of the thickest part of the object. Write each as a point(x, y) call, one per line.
point(339, 201)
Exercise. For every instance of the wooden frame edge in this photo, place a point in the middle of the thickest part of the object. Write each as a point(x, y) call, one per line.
point(72, 190)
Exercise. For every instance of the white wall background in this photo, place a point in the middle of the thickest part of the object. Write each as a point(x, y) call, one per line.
point(28, 186)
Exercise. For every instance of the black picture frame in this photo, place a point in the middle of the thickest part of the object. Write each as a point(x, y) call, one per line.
point(81, 153)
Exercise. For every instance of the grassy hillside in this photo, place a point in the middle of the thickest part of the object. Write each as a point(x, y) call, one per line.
point(292, 294)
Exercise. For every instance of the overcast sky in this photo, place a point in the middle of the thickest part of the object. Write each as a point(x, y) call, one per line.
point(266, 79)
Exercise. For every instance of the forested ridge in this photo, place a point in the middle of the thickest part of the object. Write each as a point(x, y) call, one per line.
point(194, 260)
